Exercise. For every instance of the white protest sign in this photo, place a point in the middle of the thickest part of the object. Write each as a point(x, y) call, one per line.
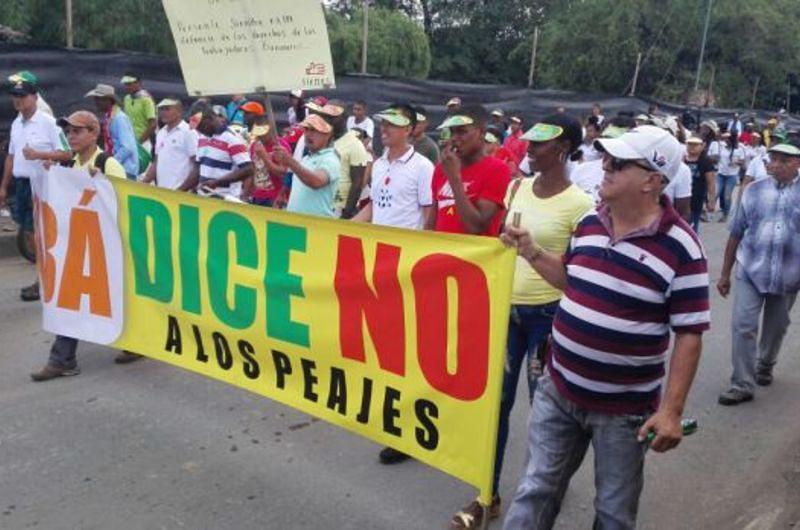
point(243, 46)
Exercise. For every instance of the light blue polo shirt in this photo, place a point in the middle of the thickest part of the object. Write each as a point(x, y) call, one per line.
point(307, 200)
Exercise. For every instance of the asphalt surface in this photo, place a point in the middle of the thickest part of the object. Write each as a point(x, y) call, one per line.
point(149, 446)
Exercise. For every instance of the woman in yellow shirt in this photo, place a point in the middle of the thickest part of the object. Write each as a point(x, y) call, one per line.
point(549, 205)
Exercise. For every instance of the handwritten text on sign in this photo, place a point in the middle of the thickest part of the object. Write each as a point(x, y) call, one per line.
point(275, 45)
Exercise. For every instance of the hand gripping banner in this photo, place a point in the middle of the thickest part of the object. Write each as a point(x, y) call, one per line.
point(395, 335)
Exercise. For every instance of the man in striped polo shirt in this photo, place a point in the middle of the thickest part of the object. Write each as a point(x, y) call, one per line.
point(634, 270)
point(223, 160)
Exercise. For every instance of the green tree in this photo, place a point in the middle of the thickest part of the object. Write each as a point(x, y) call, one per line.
point(396, 45)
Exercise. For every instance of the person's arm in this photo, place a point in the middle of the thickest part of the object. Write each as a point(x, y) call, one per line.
point(666, 422)
point(724, 283)
point(549, 265)
point(241, 172)
point(123, 139)
point(6, 182)
point(363, 216)
point(150, 174)
point(711, 187)
point(312, 178)
point(356, 185)
point(149, 130)
point(430, 220)
point(192, 179)
point(475, 216)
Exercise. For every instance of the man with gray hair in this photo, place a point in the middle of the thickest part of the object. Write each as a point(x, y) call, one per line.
point(634, 271)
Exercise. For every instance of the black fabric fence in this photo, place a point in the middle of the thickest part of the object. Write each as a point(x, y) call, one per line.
point(66, 75)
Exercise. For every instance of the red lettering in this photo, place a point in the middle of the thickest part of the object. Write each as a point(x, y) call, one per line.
point(429, 277)
point(382, 309)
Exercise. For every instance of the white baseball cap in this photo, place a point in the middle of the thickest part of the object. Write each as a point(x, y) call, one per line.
point(658, 148)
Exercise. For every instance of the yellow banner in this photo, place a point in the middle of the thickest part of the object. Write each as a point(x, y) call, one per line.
point(396, 335)
point(243, 46)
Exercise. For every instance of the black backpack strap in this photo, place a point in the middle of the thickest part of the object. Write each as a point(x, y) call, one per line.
point(100, 162)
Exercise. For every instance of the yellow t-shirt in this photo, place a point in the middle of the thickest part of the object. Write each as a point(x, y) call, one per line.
point(551, 222)
point(352, 153)
point(113, 168)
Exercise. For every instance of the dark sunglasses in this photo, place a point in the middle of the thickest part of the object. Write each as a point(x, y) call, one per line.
point(618, 164)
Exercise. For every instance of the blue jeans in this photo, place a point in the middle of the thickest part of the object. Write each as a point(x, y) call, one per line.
point(694, 221)
point(725, 185)
point(528, 327)
point(62, 352)
point(23, 204)
point(559, 433)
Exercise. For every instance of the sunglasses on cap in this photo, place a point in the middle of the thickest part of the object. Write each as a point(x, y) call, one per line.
point(618, 164)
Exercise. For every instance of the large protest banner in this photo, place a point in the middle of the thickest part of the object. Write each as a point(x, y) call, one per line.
point(396, 335)
point(232, 46)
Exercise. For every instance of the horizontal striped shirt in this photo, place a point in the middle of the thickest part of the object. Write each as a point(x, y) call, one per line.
point(217, 156)
point(611, 331)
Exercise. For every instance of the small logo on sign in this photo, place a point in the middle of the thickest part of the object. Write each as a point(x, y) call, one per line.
point(315, 69)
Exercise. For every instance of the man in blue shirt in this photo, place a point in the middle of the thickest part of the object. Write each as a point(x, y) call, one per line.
point(117, 133)
point(764, 243)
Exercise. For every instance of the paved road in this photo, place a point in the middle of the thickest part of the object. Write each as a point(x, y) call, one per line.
point(149, 446)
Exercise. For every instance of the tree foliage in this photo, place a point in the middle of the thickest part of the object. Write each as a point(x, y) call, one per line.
point(592, 46)
point(396, 45)
point(585, 45)
point(128, 24)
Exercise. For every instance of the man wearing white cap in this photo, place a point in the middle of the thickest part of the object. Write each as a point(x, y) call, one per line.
point(140, 107)
point(765, 247)
point(633, 272)
point(176, 147)
point(453, 106)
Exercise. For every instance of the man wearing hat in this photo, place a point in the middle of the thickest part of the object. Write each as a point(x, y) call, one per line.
point(82, 129)
point(353, 157)
point(117, 133)
point(401, 178)
point(497, 121)
point(175, 149)
point(423, 143)
point(34, 139)
point(140, 108)
point(223, 160)
point(268, 175)
point(633, 272)
point(453, 105)
point(514, 142)
point(765, 247)
point(316, 176)
point(30, 77)
point(469, 188)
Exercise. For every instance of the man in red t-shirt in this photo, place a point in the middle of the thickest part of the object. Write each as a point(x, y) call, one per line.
point(514, 142)
point(469, 187)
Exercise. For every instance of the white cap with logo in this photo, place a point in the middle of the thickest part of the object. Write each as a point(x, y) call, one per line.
point(655, 146)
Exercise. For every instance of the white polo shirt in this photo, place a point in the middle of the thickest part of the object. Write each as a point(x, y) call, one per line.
point(40, 133)
point(680, 187)
point(400, 189)
point(175, 150)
